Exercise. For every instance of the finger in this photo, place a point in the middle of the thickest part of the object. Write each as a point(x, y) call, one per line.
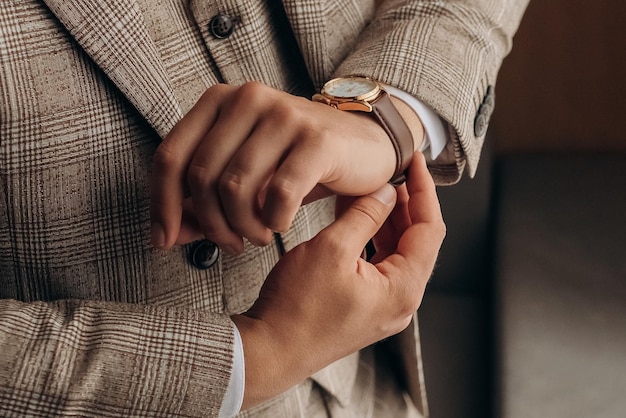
point(236, 121)
point(410, 266)
point(386, 240)
point(303, 168)
point(170, 166)
point(361, 220)
point(419, 245)
point(189, 230)
point(243, 183)
point(342, 203)
point(423, 200)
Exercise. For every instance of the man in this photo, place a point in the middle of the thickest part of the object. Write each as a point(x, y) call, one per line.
point(96, 321)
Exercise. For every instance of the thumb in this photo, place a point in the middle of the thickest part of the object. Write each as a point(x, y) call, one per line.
point(363, 217)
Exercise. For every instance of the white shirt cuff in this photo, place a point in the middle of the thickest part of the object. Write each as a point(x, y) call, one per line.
point(435, 133)
point(234, 392)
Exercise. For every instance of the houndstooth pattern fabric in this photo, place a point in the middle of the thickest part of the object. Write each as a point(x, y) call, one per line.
point(93, 321)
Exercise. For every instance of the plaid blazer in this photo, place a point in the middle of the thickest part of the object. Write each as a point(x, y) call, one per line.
point(95, 322)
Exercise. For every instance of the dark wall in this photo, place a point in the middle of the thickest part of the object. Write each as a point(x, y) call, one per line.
point(564, 85)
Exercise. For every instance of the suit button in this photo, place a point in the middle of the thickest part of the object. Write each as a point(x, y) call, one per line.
point(204, 254)
point(222, 26)
point(480, 124)
point(481, 121)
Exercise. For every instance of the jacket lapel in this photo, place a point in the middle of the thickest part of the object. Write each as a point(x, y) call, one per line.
point(308, 24)
point(114, 35)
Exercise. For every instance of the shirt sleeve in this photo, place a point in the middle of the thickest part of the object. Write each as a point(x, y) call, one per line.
point(235, 390)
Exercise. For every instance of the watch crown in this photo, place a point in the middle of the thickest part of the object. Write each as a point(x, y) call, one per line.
point(321, 99)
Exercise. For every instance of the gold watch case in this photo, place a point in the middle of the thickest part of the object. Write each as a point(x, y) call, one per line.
point(350, 93)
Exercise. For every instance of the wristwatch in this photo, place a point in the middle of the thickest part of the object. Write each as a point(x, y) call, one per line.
point(362, 94)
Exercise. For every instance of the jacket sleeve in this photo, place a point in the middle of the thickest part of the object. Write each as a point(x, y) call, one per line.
point(81, 358)
point(447, 54)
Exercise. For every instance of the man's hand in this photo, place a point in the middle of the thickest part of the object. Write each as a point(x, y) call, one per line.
point(322, 301)
point(248, 156)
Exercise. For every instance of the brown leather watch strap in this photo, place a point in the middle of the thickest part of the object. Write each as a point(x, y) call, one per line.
point(398, 132)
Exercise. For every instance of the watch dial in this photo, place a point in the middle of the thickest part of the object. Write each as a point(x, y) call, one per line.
point(350, 87)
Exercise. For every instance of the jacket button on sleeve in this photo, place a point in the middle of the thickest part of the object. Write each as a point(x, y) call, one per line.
point(204, 254)
point(481, 121)
point(222, 26)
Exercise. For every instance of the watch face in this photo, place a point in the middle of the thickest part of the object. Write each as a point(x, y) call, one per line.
point(352, 87)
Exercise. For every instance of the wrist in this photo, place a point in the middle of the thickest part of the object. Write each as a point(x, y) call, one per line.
point(273, 363)
point(363, 94)
point(278, 357)
point(260, 363)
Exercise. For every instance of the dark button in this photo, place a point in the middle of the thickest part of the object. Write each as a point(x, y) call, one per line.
point(222, 26)
point(481, 121)
point(204, 254)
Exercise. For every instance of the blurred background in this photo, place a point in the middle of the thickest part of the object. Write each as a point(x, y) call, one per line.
point(525, 315)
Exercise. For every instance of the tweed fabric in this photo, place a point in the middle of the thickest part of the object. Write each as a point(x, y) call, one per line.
point(75, 158)
point(450, 52)
point(94, 321)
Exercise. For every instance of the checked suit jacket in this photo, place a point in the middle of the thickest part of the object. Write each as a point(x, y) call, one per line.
point(93, 320)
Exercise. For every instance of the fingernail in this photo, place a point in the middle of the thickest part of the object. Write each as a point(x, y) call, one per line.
point(385, 194)
point(157, 234)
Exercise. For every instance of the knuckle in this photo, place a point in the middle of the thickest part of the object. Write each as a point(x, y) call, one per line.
point(440, 229)
point(443, 229)
point(230, 185)
point(198, 177)
point(253, 93)
point(165, 156)
point(213, 92)
point(284, 191)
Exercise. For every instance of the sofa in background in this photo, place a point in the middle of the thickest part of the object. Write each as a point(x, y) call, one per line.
point(525, 315)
